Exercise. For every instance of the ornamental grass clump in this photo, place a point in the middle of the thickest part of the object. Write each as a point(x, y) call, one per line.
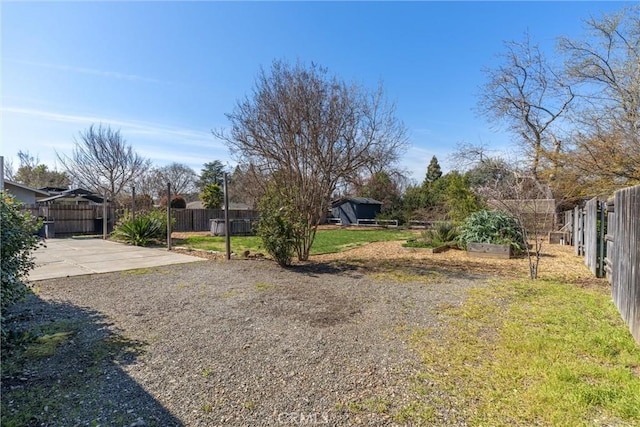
point(494, 227)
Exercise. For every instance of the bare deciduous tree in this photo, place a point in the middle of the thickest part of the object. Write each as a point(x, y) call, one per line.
point(307, 131)
point(103, 161)
point(526, 200)
point(183, 179)
point(605, 67)
point(529, 95)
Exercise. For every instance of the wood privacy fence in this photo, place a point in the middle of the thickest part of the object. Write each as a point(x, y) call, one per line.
point(74, 219)
point(607, 234)
point(198, 219)
point(88, 219)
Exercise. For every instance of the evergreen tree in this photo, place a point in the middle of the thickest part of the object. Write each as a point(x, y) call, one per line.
point(211, 173)
point(433, 171)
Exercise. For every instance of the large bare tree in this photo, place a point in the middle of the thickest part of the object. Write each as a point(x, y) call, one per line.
point(308, 130)
point(183, 179)
point(530, 96)
point(604, 65)
point(102, 161)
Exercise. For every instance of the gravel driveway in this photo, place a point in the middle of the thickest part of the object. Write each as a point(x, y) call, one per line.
point(231, 343)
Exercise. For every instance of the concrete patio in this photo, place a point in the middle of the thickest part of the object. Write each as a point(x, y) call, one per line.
point(78, 256)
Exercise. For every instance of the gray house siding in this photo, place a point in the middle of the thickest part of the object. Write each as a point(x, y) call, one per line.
point(25, 194)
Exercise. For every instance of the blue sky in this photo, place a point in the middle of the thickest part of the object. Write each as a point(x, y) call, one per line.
point(165, 73)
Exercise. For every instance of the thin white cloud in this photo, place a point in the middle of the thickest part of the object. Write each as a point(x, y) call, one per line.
point(90, 71)
point(186, 136)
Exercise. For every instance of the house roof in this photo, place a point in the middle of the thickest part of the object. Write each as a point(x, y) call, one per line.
point(355, 200)
point(25, 187)
point(77, 192)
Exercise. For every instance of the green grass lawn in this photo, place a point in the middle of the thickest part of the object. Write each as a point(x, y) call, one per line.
point(531, 353)
point(327, 241)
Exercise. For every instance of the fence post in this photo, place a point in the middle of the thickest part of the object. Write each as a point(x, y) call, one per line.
point(133, 202)
point(602, 246)
point(227, 226)
point(168, 216)
point(105, 223)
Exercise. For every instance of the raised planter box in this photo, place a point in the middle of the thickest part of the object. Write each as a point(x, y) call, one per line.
point(487, 250)
point(435, 250)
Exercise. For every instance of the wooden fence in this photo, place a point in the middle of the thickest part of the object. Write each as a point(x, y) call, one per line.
point(623, 256)
point(198, 219)
point(607, 234)
point(74, 219)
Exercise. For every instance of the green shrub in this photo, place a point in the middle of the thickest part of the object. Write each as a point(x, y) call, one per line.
point(493, 227)
point(144, 229)
point(18, 240)
point(178, 202)
point(277, 227)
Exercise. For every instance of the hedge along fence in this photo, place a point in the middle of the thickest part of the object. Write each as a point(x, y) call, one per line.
point(198, 219)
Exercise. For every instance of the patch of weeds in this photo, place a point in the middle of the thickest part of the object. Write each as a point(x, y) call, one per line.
point(206, 372)
point(207, 408)
point(46, 345)
point(137, 272)
point(377, 405)
point(250, 405)
point(355, 407)
point(182, 285)
point(533, 353)
point(30, 393)
point(230, 294)
point(264, 286)
point(117, 348)
point(415, 413)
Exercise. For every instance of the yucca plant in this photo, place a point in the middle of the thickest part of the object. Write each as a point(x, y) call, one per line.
point(444, 233)
point(140, 231)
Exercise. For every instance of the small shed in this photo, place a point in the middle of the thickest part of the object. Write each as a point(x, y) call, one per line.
point(351, 209)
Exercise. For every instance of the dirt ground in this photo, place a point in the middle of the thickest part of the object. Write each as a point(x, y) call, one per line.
point(245, 342)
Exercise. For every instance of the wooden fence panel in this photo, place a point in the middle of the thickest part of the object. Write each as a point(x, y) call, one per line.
point(611, 233)
point(568, 226)
point(578, 231)
point(73, 219)
point(625, 257)
point(593, 232)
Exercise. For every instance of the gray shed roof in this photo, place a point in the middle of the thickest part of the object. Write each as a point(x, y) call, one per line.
point(356, 200)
